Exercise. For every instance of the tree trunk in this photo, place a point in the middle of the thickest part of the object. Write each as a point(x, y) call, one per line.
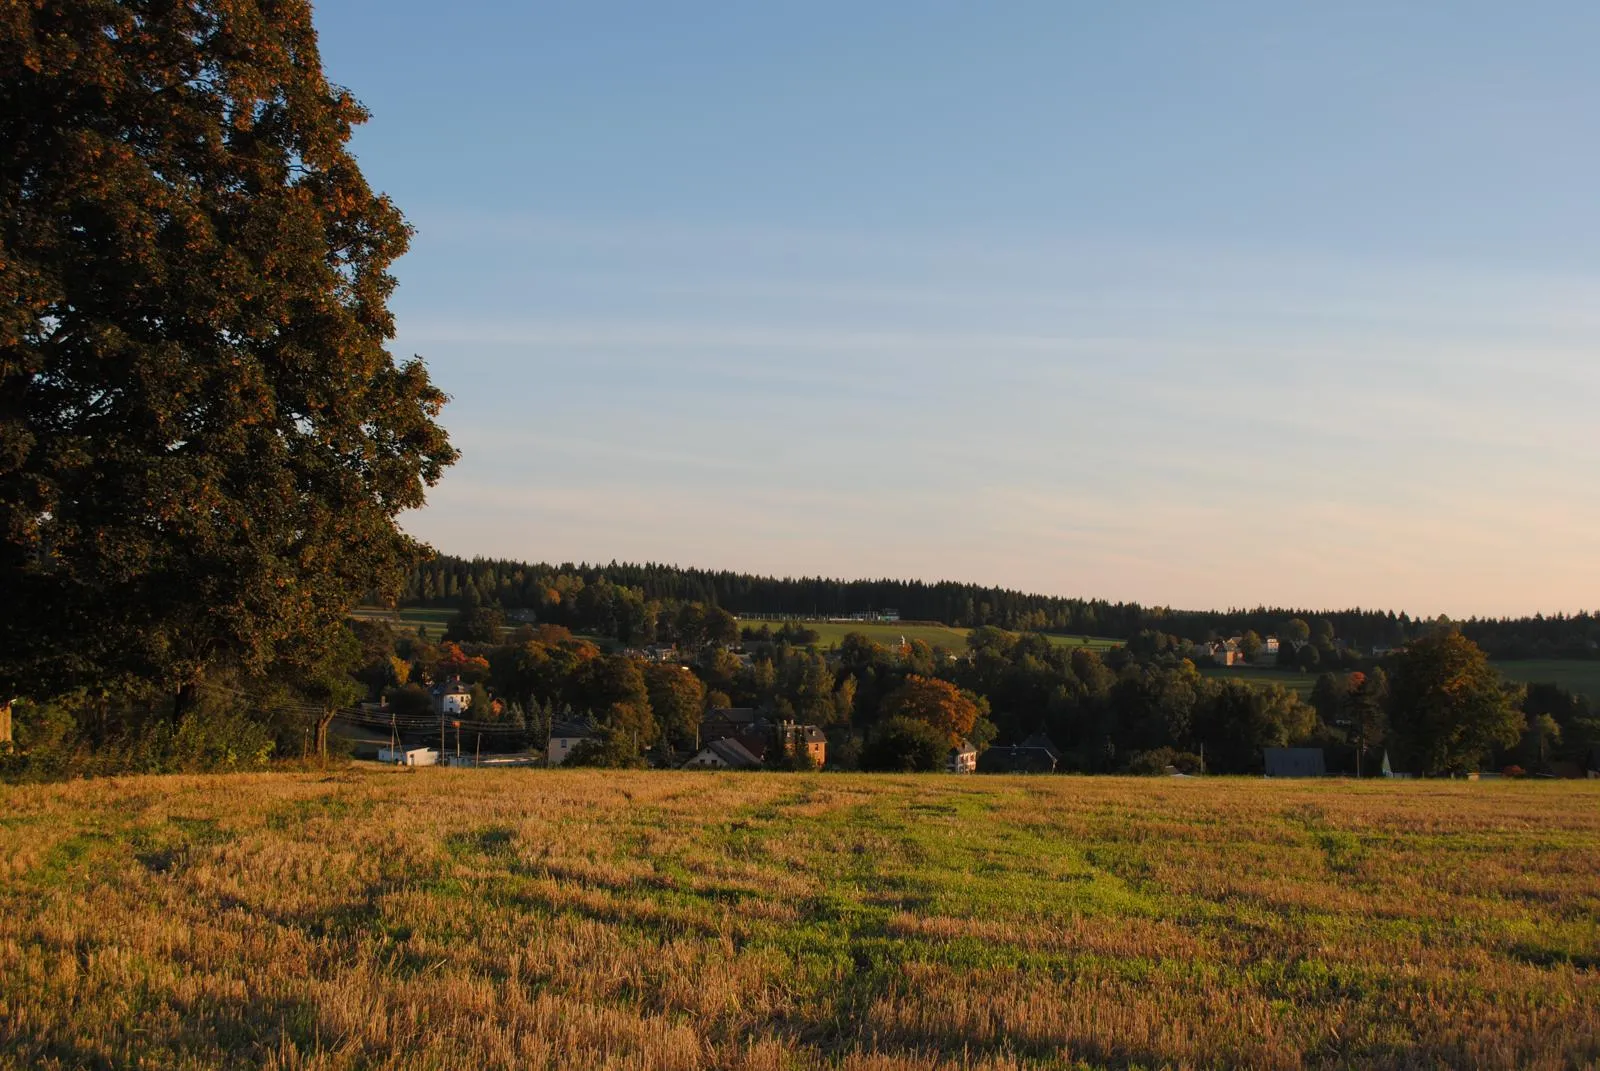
point(322, 735)
point(182, 701)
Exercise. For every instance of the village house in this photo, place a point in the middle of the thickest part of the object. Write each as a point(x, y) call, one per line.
point(963, 758)
point(564, 736)
point(812, 739)
point(450, 697)
point(1221, 654)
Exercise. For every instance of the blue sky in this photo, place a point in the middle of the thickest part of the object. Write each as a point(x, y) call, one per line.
point(1200, 305)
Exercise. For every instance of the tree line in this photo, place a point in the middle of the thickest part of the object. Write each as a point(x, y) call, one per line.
point(620, 597)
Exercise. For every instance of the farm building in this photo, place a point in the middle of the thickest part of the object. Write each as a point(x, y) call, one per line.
point(1295, 762)
point(1042, 741)
point(1017, 758)
point(402, 755)
point(564, 736)
point(724, 754)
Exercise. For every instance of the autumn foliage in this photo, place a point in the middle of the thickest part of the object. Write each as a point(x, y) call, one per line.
point(934, 702)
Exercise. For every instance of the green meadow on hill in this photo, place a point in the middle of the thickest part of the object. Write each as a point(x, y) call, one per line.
point(1576, 675)
point(372, 918)
point(831, 633)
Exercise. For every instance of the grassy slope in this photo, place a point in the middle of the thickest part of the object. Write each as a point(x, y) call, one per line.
point(1291, 679)
point(1575, 676)
point(955, 639)
point(676, 921)
point(436, 620)
point(1582, 677)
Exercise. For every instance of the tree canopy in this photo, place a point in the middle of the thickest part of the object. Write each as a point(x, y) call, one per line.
point(1448, 706)
point(204, 441)
point(934, 702)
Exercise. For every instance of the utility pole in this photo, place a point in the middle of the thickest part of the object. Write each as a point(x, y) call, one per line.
point(477, 759)
point(458, 738)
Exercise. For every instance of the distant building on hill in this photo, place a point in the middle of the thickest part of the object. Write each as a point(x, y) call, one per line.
point(1295, 762)
point(962, 759)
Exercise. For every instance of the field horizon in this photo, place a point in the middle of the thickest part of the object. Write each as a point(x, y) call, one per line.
point(368, 917)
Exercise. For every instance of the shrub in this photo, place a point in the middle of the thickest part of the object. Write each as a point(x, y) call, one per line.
point(1157, 762)
point(50, 745)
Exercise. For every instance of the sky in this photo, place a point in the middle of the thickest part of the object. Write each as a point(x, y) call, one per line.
point(1195, 305)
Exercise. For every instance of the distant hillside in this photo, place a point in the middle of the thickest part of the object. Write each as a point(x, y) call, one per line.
point(555, 589)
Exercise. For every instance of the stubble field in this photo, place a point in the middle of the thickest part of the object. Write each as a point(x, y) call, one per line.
point(465, 919)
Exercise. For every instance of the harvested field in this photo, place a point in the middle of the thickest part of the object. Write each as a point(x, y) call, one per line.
point(369, 918)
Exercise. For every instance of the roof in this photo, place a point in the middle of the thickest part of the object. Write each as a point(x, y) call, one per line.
point(1294, 762)
point(1041, 740)
point(733, 753)
point(1018, 758)
point(811, 734)
point(572, 729)
point(963, 748)
point(453, 686)
point(753, 742)
point(732, 715)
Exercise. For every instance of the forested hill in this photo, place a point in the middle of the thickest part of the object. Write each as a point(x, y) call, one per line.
point(554, 590)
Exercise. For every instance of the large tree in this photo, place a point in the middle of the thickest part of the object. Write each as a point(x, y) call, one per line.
point(934, 702)
point(1448, 707)
point(677, 699)
point(204, 441)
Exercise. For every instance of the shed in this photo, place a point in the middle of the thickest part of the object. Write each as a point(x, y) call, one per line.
point(1295, 762)
point(401, 755)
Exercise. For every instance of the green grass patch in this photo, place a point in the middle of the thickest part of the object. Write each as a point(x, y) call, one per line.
point(831, 633)
point(1579, 676)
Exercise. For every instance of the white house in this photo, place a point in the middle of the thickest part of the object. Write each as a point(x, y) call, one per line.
point(564, 736)
point(451, 697)
point(963, 759)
